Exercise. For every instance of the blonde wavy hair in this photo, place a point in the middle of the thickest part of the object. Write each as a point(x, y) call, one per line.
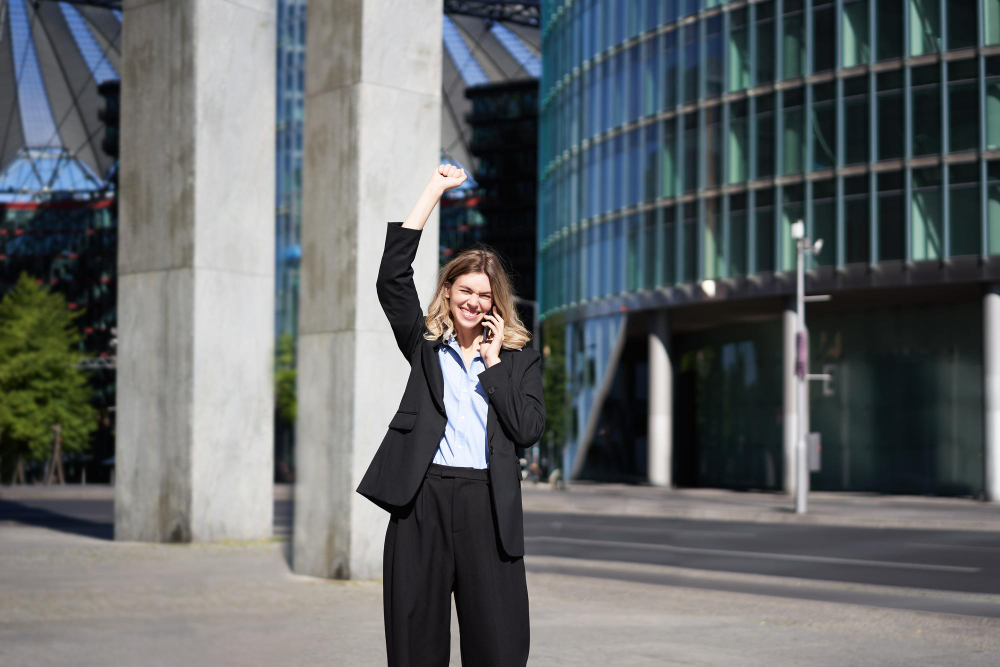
point(478, 259)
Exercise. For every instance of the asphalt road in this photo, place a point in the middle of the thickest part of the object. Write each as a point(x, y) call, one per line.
point(869, 562)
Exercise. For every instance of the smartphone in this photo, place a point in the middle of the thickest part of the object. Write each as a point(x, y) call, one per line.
point(487, 334)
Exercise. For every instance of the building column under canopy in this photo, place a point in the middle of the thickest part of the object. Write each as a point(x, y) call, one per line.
point(372, 141)
point(194, 452)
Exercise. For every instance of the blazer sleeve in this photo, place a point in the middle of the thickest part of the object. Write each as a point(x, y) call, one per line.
point(520, 405)
point(395, 288)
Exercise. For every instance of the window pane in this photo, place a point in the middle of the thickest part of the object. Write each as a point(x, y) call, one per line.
point(825, 227)
point(713, 147)
point(824, 52)
point(618, 175)
point(632, 257)
point(765, 230)
point(890, 114)
point(855, 34)
point(652, 19)
point(651, 162)
point(618, 103)
point(926, 110)
point(891, 232)
point(765, 135)
point(691, 60)
point(651, 75)
point(713, 239)
point(993, 206)
point(669, 252)
point(889, 23)
point(737, 167)
point(605, 184)
point(963, 209)
point(963, 115)
point(713, 49)
point(992, 16)
point(856, 118)
point(690, 151)
point(634, 162)
point(824, 127)
point(793, 48)
point(961, 24)
point(739, 52)
point(634, 83)
point(765, 43)
point(856, 227)
point(670, 69)
point(925, 214)
point(925, 27)
point(792, 132)
point(992, 114)
point(668, 158)
point(650, 259)
point(690, 240)
point(737, 235)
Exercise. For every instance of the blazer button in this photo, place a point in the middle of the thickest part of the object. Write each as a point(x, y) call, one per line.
point(492, 389)
point(491, 449)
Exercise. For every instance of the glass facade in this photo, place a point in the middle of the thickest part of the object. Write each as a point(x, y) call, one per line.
point(719, 124)
point(290, 111)
point(679, 142)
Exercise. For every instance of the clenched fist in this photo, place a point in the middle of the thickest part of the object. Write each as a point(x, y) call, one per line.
point(446, 177)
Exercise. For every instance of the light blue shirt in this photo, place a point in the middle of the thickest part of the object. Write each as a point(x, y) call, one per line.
point(464, 441)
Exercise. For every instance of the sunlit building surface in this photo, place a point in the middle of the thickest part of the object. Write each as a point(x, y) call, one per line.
point(679, 143)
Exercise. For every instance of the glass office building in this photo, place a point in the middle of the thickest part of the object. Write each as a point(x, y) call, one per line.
point(679, 142)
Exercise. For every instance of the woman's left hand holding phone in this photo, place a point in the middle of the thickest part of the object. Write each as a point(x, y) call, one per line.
point(489, 349)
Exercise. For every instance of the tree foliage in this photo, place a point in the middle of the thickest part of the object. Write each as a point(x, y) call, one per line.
point(285, 400)
point(554, 383)
point(40, 385)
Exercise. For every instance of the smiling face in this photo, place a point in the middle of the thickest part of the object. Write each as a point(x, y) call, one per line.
point(469, 298)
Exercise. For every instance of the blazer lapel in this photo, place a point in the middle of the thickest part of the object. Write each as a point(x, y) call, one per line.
point(491, 414)
point(432, 371)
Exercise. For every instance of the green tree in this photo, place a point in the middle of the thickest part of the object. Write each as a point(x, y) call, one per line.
point(554, 388)
point(286, 404)
point(40, 385)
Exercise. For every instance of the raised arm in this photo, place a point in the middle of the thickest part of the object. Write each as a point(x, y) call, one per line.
point(394, 284)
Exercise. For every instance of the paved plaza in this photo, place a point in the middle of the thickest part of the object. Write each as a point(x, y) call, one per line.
point(69, 598)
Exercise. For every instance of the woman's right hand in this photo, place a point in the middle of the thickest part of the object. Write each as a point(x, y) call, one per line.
point(446, 177)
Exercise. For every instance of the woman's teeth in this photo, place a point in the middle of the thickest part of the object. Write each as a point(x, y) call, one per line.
point(469, 315)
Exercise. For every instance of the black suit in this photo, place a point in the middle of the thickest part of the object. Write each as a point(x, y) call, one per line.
point(514, 388)
point(452, 529)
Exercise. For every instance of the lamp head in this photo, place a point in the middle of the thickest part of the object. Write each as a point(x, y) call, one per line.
point(798, 229)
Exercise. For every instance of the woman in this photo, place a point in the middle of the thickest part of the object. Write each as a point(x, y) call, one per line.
point(447, 470)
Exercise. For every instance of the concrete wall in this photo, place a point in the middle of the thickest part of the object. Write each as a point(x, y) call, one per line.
point(194, 454)
point(372, 141)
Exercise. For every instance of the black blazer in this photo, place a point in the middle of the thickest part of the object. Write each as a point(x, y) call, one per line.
point(513, 388)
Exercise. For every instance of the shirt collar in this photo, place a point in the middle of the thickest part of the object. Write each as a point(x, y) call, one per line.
point(452, 342)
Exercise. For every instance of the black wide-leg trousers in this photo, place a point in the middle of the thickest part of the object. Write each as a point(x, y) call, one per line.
point(445, 541)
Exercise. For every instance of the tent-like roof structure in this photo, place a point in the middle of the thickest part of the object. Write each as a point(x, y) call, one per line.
point(53, 55)
point(479, 51)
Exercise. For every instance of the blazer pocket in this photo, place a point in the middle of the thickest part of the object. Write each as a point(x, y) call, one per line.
point(403, 421)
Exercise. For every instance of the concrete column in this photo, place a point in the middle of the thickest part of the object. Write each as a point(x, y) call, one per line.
point(789, 421)
point(661, 400)
point(372, 141)
point(991, 392)
point(195, 450)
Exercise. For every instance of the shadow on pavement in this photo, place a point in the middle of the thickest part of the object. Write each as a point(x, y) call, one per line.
point(33, 515)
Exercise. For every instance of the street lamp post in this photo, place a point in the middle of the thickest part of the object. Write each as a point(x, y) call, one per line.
point(803, 245)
